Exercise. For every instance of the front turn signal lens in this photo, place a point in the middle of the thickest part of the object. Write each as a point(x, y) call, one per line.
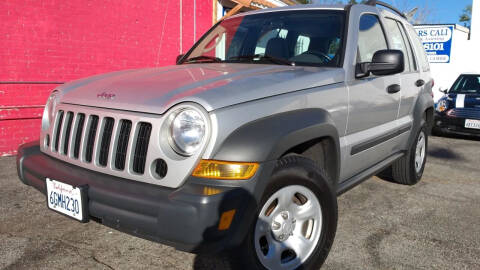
point(225, 170)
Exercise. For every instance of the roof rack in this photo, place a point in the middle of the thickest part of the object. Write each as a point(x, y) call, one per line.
point(383, 4)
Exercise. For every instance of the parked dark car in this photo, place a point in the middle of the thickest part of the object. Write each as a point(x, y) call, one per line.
point(458, 111)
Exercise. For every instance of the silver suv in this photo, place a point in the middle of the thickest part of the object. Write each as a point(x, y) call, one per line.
point(246, 143)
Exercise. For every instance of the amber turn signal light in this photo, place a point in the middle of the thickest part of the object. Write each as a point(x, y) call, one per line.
point(226, 220)
point(225, 170)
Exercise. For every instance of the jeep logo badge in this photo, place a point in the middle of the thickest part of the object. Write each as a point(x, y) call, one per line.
point(106, 95)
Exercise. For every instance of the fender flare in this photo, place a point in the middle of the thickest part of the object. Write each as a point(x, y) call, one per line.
point(424, 102)
point(269, 138)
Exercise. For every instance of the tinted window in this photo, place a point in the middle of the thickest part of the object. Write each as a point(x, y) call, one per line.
point(311, 38)
point(302, 45)
point(467, 84)
point(265, 37)
point(370, 38)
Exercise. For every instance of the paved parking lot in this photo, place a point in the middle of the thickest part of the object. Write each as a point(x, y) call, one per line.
point(433, 225)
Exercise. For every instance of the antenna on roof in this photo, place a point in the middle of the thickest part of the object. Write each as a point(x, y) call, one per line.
point(411, 13)
point(383, 4)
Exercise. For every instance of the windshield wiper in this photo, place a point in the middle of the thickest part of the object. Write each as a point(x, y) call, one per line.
point(266, 57)
point(203, 58)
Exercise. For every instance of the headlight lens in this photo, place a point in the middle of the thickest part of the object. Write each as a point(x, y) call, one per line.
point(49, 111)
point(442, 105)
point(187, 131)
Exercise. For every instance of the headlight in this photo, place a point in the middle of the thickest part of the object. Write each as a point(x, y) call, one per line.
point(187, 131)
point(442, 105)
point(49, 111)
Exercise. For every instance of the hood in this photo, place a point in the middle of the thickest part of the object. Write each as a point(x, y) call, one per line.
point(463, 100)
point(213, 85)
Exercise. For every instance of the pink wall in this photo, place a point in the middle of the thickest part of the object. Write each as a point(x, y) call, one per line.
point(56, 41)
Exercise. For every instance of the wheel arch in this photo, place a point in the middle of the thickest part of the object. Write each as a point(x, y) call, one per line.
point(323, 151)
point(422, 112)
point(269, 138)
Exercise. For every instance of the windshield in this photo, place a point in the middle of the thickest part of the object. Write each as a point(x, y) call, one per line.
point(309, 38)
point(466, 84)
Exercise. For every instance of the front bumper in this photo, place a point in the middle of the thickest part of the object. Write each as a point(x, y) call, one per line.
point(184, 218)
point(451, 124)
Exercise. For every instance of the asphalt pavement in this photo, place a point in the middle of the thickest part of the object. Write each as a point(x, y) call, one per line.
point(433, 225)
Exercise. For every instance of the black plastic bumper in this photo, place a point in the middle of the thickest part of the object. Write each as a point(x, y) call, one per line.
point(184, 218)
point(453, 125)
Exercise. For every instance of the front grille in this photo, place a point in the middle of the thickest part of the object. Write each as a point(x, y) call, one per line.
point(66, 137)
point(122, 144)
point(470, 113)
point(89, 137)
point(78, 135)
point(106, 138)
point(92, 132)
point(58, 130)
point(141, 147)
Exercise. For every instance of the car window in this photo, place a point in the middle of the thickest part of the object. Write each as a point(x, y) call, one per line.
point(466, 84)
point(306, 38)
point(396, 38)
point(371, 38)
point(411, 55)
point(302, 44)
point(422, 58)
point(334, 47)
point(267, 36)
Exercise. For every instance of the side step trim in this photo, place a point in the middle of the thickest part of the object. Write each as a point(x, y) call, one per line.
point(359, 178)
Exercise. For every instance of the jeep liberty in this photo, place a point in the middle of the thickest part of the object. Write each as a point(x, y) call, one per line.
point(246, 143)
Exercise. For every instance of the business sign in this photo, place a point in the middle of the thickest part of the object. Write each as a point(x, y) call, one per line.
point(437, 41)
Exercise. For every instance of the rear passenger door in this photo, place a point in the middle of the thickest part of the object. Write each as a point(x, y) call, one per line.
point(410, 78)
point(372, 110)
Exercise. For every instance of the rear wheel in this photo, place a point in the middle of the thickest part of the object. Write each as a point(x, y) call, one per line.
point(408, 170)
point(296, 220)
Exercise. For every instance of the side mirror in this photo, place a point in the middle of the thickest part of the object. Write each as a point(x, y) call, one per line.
point(384, 62)
point(445, 91)
point(179, 57)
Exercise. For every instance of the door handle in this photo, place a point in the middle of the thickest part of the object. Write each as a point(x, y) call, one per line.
point(419, 83)
point(394, 88)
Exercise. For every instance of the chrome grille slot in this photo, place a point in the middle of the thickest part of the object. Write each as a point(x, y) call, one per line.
point(106, 138)
point(66, 136)
point(78, 135)
point(141, 147)
point(58, 131)
point(92, 132)
point(122, 145)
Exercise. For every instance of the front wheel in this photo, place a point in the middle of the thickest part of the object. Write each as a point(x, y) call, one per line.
point(296, 220)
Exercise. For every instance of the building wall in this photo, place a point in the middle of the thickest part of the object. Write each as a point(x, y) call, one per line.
point(53, 41)
point(445, 74)
point(475, 23)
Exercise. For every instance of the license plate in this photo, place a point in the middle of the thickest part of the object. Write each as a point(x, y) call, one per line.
point(66, 199)
point(469, 123)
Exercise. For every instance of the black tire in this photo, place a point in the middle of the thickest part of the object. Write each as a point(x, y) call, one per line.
point(403, 170)
point(295, 170)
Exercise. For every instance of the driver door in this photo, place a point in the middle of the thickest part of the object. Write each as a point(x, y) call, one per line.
point(372, 109)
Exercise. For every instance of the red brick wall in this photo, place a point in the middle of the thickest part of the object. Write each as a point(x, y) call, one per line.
point(57, 40)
